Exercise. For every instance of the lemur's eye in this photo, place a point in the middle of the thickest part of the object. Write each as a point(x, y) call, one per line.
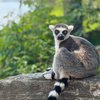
point(65, 32)
point(57, 32)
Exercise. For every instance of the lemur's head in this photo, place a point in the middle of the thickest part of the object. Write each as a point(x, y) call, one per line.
point(61, 31)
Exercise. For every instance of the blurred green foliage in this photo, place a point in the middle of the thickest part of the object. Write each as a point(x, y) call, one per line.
point(28, 46)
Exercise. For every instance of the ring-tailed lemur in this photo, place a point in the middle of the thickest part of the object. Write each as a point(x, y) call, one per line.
point(75, 57)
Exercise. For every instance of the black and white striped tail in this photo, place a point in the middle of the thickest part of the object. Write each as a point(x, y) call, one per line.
point(59, 86)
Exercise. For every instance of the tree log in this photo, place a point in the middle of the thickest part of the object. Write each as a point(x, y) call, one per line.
point(35, 87)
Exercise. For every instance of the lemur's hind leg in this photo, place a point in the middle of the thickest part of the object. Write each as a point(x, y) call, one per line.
point(71, 64)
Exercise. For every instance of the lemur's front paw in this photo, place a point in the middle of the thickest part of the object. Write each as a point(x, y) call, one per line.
point(48, 76)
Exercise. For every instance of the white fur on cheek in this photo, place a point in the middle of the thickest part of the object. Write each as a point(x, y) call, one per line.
point(67, 36)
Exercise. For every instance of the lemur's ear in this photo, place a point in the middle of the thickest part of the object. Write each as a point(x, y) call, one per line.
point(70, 27)
point(51, 27)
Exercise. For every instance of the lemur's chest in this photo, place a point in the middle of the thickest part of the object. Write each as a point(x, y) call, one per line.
point(70, 44)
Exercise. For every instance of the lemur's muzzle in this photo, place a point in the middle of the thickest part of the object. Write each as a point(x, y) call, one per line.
point(60, 37)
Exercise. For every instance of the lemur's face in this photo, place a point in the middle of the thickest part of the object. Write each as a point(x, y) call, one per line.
point(61, 31)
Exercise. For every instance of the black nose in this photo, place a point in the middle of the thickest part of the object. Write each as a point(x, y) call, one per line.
point(60, 37)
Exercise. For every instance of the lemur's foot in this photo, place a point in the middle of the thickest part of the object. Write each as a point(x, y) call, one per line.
point(49, 75)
